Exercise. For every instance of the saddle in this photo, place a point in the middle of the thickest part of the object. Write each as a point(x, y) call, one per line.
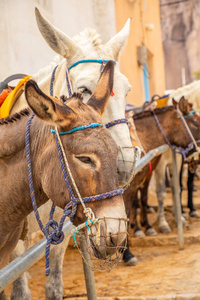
point(131, 109)
point(9, 95)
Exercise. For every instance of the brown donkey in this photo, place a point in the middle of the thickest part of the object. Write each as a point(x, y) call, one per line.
point(151, 137)
point(91, 153)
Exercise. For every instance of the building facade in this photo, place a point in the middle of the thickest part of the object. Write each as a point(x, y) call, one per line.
point(25, 51)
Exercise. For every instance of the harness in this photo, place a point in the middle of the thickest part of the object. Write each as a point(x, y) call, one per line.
point(99, 61)
point(56, 236)
point(9, 100)
point(192, 145)
point(4, 84)
point(190, 114)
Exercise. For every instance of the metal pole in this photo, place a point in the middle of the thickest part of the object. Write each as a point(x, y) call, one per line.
point(149, 156)
point(22, 263)
point(89, 274)
point(176, 197)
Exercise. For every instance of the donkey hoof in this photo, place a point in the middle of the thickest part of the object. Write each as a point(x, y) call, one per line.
point(164, 228)
point(139, 233)
point(132, 262)
point(194, 214)
point(184, 215)
point(151, 232)
point(184, 221)
point(150, 210)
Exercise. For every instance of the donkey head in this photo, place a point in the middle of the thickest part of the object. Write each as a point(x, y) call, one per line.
point(192, 120)
point(91, 153)
point(84, 78)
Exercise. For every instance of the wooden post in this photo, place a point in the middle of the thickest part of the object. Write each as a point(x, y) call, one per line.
point(89, 274)
point(176, 197)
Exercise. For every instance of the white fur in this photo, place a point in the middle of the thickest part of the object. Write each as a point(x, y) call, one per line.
point(190, 91)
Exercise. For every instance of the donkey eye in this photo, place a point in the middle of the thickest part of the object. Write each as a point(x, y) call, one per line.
point(84, 90)
point(86, 160)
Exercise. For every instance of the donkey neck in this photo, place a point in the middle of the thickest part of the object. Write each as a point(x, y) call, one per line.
point(15, 196)
point(150, 134)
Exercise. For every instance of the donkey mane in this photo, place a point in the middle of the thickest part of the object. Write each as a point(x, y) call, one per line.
point(157, 111)
point(42, 72)
point(75, 95)
point(15, 117)
point(88, 35)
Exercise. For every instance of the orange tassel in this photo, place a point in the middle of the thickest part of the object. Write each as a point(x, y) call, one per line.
point(112, 93)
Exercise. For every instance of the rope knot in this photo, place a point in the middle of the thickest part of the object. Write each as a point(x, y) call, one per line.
point(89, 213)
point(55, 236)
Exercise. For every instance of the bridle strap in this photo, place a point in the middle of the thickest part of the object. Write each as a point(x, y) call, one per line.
point(69, 87)
point(99, 61)
point(116, 122)
point(188, 130)
point(173, 147)
point(190, 114)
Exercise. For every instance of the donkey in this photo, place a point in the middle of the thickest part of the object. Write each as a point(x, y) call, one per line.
point(91, 153)
point(84, 77)
point(176, 134)
point(83, 57)
point(192, 165)
point(166, 160)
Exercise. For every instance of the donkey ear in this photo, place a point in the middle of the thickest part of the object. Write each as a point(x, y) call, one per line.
point(174, 102)
point(118, 42)
point(56, 39)
point(46, 108)
point(184, 106)
point(103, 89)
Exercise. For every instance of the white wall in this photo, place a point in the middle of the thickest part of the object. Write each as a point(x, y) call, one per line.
point(23, 49)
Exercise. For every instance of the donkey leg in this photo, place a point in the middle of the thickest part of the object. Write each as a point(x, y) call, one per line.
point(190, 185)
point(54, 283)
point(128, 257)
point(149, 230)
point(20, 288)
point(160, 191)
point(137, 230)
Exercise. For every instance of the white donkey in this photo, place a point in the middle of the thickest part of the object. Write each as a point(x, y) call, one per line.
point(85, 46)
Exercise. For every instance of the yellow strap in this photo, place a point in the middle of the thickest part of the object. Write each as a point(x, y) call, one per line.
point(10, 100)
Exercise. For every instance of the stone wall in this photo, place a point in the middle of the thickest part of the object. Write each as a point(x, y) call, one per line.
point(180, 25)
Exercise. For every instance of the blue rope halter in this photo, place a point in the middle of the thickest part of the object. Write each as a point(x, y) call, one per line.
point(56, 236)
point(92, 125)
point(190, 114)
point(99, 61)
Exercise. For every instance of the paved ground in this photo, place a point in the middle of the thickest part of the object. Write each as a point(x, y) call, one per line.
point(164, 272)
